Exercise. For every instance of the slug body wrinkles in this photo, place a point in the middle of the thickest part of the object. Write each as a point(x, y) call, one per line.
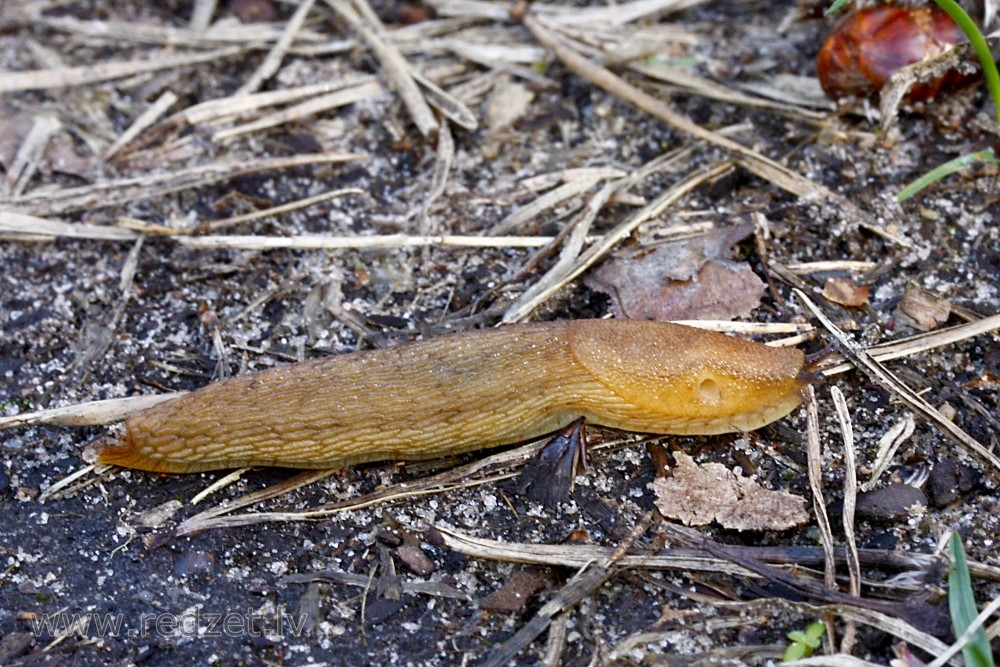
point(469, 391)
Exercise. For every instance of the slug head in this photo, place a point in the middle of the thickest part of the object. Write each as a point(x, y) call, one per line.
point(689, 381)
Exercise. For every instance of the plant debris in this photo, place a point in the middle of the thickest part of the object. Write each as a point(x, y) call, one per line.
point(698, 495)
point(683, 280)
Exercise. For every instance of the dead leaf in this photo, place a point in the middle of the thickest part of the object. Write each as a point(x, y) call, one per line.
point(687, 280)
point(508, 102)
point(845, 292)
point(159, 515)
point(923, 310)
point(699, 494)
point(415, 559)
point(513, 595)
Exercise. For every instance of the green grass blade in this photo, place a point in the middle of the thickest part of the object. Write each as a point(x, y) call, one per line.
point(962, 604)
point(834, 7)
point(979, 45)
point(947, 169)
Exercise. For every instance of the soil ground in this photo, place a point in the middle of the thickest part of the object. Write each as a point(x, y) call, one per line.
point(394, 590)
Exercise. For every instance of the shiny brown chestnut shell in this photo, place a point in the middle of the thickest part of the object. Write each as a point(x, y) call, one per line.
point(872, 44)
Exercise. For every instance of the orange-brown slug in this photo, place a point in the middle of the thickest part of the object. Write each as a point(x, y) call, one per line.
point(469, 391)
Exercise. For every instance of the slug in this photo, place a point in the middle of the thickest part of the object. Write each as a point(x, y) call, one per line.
point(469, 391)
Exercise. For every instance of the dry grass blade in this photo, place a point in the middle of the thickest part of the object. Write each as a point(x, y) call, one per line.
point(815, 466)
point(308, 241)
point(434, 588)
point(443, 164)
point(214, 518)
point(606, 79)
point(698, 85)
point(217, 485)
point(554, 178)
point(802, 91)
point(497, 12)
point(620, 14)
point(95, 413)
point(148, 117)
point(830, 661)
point(21, 227)
point(111, 193)
point(393, 64)
point(579, 555)
point(549, 200)
point(966, 636)
point(274, 57)
point(850, 503)
point(897, 628)
point(194, 523)
point(906, 347)
point(64, 77)
point(279, 210)
point(201, 14)
point(30, 151)
point(448, 105)
point(67, 486)
point(878, 373)
point(887, 446)
point(678, 559)
point(228, 107)
point(461, 477)
point(874, 619)
point(747, 328)
point(150, 33)
point(311, 107)
point(850, 266)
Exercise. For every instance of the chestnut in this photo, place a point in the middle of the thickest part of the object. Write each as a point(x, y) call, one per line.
point(871, 44)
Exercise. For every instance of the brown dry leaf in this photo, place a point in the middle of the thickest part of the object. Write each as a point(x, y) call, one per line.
point(508, 102)
point(924, 310)
point(415, 559)
point(699, 494)
point(845, 292)
point(686, 280)
point(14, 127)
point(513, 595)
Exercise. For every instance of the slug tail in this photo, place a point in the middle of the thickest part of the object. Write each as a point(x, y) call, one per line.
point(119, 455)
point(122, 452)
